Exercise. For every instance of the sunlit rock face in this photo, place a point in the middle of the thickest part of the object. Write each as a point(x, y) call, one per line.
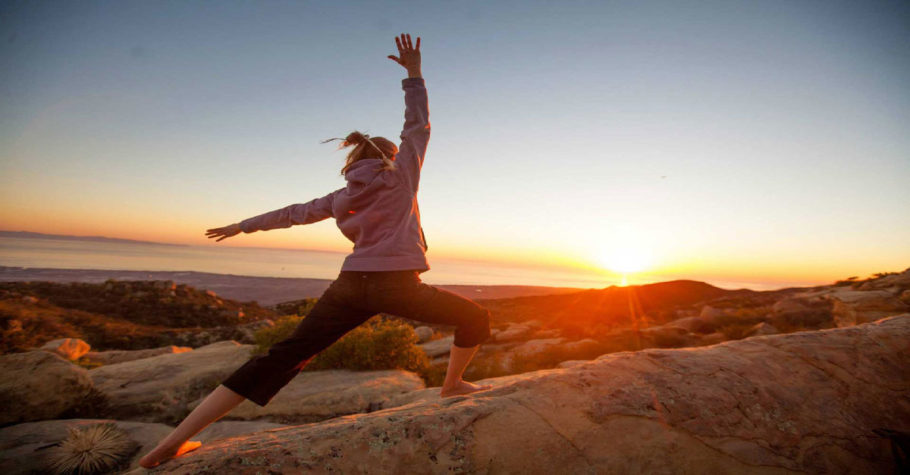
point(38, 385)
point(804, 402)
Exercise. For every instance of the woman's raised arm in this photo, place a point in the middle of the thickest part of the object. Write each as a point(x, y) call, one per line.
point(416, 132)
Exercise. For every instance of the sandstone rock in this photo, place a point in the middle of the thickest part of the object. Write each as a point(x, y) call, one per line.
point(438, 347)
point(122, 356)
point(581, 345)
point(534, 347)
point(69, 348)
point(39, 385)
point(713, 338)
point(318, 395)
point(158, 389)
point(905, 296)
point(692, 324)
point(762, 328)
point(551, 333)
point(23, 447)
point(739, 407)
point(789, 305)
point(514, 331)
point(226, 429)
point(571, 363)
point(852, 307)
point(424, 333)
point(709, 313)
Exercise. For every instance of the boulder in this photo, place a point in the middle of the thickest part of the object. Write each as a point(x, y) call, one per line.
point(424, 333)
point(905, 296)
point(318, 395)
point(739, 407)
point(69, 348)
point(789, 305)
point(40, 385)
point(23, 447)
point(122, 356)
point(438, 347)
point(158, 389)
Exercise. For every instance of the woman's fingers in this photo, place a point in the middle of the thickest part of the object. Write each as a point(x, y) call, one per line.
point(410, 46)
point(395, 58)
point(418, 44)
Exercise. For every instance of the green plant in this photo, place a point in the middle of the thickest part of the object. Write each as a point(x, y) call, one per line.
point(377, 344)
point(268, 336)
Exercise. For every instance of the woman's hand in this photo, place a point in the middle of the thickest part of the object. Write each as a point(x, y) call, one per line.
point(408, 55)
point(224, 233)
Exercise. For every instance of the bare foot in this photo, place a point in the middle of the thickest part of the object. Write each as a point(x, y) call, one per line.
point(161, 454)
point(463, 387)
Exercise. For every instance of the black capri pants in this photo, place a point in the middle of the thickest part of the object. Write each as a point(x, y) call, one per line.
point(348, 302)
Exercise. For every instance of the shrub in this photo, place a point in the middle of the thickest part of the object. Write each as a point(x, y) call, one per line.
point(377, 344)
point(297, 307)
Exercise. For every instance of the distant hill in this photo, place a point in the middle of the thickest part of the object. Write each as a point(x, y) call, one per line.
point(31, 235)
point(613, 306)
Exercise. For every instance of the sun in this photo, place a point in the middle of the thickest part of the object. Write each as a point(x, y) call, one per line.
point(626, 259)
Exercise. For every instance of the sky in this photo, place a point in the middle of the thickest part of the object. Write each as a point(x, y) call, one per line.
point(763, 140)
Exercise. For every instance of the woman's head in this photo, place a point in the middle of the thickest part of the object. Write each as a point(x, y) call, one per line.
point(369, 147)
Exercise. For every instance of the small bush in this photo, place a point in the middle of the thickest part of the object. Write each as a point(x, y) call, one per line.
point(377, 344)
point(268, 336)
point(296, 307)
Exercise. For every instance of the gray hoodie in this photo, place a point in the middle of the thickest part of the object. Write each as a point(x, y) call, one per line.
point(377, 210)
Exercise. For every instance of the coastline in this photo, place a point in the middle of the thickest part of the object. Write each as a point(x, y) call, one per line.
point(244, 288)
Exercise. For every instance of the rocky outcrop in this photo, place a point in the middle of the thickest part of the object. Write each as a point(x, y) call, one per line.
point(804, 401)
point(69, 348)
point(158, 389)
point(122, 356)
point(38, 385)
point(318, 395)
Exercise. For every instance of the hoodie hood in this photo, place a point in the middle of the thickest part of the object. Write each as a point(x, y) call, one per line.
point(364, 171)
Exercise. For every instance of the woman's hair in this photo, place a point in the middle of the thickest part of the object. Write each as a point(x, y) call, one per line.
point(368, 147)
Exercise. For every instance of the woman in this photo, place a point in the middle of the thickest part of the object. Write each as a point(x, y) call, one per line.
point(377, 210)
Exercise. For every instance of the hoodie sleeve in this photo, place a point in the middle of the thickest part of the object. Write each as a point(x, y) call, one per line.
point(301, 213)
point(416, 132)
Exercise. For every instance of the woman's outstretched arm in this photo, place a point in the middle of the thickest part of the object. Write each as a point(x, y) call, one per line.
point(301, 213)
point(416, 132)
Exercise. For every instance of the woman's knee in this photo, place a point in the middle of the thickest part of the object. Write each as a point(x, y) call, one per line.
point(475, 330)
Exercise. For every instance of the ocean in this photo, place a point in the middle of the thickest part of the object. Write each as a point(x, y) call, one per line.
point(261, 262)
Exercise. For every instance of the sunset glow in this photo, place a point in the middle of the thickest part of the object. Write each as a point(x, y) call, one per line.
point(753, 147)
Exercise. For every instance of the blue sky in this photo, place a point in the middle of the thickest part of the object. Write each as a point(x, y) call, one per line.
point(763, 139)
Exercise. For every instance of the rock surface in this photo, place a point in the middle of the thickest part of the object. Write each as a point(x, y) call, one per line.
point(69, 348)
point(23, 446)
point(318, 395)
point(38, 385)
point(804, 402)
point(122, 356)
point(158, 389)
